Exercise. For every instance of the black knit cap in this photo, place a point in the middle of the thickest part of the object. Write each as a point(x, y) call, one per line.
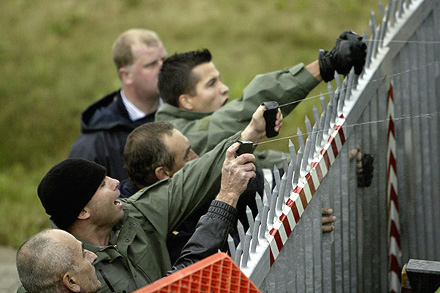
point(67, 188)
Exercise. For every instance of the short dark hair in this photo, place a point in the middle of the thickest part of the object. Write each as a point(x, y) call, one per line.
point(145, 151)
point(176, 76)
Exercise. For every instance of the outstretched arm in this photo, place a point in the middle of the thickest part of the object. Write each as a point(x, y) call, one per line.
point(313, 69)
point(256, 130)
point(213, 228)
point(199, 180)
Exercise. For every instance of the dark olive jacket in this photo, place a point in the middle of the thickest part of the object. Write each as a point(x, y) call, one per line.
point(206, 129)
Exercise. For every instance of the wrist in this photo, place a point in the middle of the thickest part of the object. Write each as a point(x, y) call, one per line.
point(230, 198)
point(314, 70)
point(251, 135)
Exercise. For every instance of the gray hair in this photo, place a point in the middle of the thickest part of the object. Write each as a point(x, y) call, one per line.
point(41, 263)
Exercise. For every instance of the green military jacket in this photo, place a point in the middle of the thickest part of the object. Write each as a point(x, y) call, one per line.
point(139, 255)
point(206, 129)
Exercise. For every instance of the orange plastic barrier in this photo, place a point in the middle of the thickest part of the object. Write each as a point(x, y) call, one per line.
point(216, 273)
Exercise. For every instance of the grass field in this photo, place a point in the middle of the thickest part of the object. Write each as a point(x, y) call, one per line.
point(56, 60)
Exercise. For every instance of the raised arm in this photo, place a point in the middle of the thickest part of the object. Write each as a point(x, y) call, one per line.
point(213, 228)
point(197, 182)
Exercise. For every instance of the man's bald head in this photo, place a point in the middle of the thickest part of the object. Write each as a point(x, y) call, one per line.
point(49, 259)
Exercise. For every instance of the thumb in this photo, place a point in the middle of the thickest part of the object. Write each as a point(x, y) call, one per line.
point(230, 152)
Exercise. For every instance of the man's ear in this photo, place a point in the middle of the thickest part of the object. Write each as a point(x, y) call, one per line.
point(161, 173)
point(84, 214)
point(70, 282)
point(185, 102)
point(125, 75)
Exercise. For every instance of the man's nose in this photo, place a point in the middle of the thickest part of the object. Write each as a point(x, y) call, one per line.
point(225, 89)
point(115, 183)
point(192, 155)
point(90, 256)
point(160, 63)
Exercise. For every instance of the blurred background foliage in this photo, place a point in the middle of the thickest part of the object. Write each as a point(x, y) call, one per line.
point(56, 60)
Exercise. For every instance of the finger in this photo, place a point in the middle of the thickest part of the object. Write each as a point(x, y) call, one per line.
point(278, 127)
point(279, 116)
point(278, 121)
point(327, 228)
point(248, 167)
point(230, 152)
point(359, 156)
point(252, 175)
point(246, 176)
point(327, 220)
point(352, 154)
point(245, 158)
point(259, 112)
point(326, 211)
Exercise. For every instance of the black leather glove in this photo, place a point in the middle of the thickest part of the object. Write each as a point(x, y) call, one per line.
point(366, 176)
point(348, 51)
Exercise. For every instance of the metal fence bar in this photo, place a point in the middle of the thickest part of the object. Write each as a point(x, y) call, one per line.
point(337, 206)
point(425, 144)
point(433, 54)
point(291, 253)
point(353, 229)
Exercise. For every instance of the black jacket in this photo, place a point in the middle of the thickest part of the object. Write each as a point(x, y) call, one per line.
point(211, 234)
point(105, 126)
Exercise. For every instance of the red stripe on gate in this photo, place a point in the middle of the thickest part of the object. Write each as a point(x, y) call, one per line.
point(393, 218)
point(395, 233)
point(393, 198)
point(394, 266)
point(310, 182)
point(302, 195)
point(334, 147)
point(392, 163)
point(276, 235)
point(286, 224)
point(297, 189)
point(272, 258)
point(319, 173)
point(340, 131)
point(326, 159)
point(390, 93)
point(391, 129)
point(342, 135)
point(295, 212)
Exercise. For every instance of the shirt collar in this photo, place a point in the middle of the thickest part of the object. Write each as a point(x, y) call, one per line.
point(134, 112)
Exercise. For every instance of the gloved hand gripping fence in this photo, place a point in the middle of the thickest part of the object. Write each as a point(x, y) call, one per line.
point(348, 51)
